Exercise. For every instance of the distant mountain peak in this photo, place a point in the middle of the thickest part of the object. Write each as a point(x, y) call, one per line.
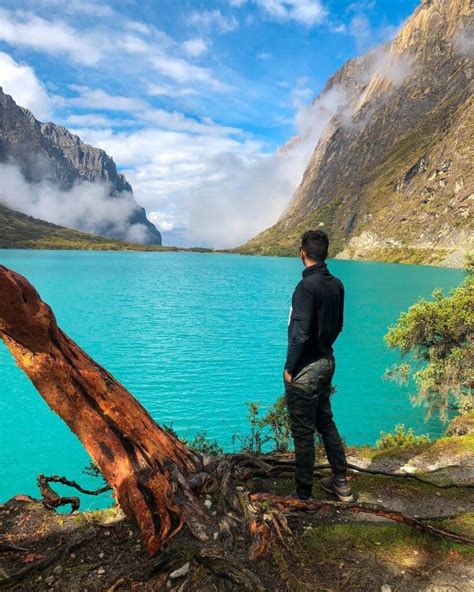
point(49, 153)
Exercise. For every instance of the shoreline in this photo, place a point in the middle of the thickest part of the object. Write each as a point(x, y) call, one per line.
point(204, 250)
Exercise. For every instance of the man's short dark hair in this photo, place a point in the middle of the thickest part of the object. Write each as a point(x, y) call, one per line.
point(315, 243)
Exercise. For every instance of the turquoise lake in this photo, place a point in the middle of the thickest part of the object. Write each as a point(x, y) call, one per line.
point(193, 337)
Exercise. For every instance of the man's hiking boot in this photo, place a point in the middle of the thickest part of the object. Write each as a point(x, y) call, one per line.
point(339, 487)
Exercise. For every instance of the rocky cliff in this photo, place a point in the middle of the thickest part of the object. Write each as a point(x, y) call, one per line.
point(391, 178)
point(45, 152)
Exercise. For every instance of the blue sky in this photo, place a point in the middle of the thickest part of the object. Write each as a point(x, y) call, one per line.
point(191, 98)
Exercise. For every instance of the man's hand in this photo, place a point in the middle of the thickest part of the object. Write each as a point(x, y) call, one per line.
point(287, 377)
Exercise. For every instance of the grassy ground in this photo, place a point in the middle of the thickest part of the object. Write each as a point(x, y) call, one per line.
point(369, 556)
point(331, 550)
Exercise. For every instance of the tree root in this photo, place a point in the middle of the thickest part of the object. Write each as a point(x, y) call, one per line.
point(247, 466)
point(6, 548)
point(260, 534)
point(75, 485)
point(313, 505)
point(405, 476)
point(230, 569)
point(51, 499)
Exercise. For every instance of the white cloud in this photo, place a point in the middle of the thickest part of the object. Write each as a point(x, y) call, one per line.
point(183, 72)
point(167, 90)
point(304, 12)
point(98, 99)
point(162, 221)
point(20, 81)
point(134, 44)
point(312, 117)
point(177, 121)
point(160, 53)
point(338, 28)
point(392, 67)
point(87, 206)
point(264, 55)
point(361, 28)
point(82, 7)
point(464, 42)
point(89, 46)
point(21, 28)
point(195, 47)
point(95, 120)
point(139, 27)
point(213, 19)
point(361, 6)
point(216, 184)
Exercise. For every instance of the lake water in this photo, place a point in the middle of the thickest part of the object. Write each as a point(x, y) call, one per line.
point(193, 337)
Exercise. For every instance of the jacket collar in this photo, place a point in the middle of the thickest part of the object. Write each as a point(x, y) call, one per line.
point(316, 268)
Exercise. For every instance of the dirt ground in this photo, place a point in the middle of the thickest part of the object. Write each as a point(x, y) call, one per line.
point(331, 550)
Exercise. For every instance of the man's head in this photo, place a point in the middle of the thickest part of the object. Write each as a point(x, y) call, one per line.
point(314, 247)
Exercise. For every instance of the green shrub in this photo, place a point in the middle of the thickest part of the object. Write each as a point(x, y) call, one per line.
point(437, 339)
point(400, 438)
point(201, 443)
point(254, 442)
point(277, 422)
point(274, 427)
point(92, 470)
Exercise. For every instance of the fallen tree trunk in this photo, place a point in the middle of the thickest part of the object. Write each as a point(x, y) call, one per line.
point(147, 468)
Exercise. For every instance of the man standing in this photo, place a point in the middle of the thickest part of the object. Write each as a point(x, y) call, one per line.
point(315, 321)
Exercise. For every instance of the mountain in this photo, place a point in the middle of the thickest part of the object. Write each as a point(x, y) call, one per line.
point(46, 153)
point(391, 178)
point(19, 231)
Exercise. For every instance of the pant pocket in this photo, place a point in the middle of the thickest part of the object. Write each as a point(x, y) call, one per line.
point(318, 375)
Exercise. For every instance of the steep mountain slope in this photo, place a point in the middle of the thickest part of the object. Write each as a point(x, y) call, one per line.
point(48, 153)
point(391, 178)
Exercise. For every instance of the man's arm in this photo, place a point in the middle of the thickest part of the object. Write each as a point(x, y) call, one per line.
point(300, 326)
point(341, 310)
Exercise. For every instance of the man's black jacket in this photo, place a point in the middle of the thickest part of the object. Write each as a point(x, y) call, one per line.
point(316, 317)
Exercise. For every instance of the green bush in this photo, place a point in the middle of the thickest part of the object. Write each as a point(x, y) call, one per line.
point(400, 438)
point(274, 427)
point(201, 443)
point(254, 442)
point(436, 337)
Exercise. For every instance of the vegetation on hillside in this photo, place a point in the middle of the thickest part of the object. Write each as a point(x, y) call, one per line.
point(19, 231)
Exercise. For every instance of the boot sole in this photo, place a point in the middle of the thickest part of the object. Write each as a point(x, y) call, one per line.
point(342, 498)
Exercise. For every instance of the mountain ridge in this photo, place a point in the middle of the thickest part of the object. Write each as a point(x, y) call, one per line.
point(49, 153)
point(391, 177)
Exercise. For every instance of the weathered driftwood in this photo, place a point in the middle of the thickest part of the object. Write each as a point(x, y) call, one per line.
point(147, 468)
